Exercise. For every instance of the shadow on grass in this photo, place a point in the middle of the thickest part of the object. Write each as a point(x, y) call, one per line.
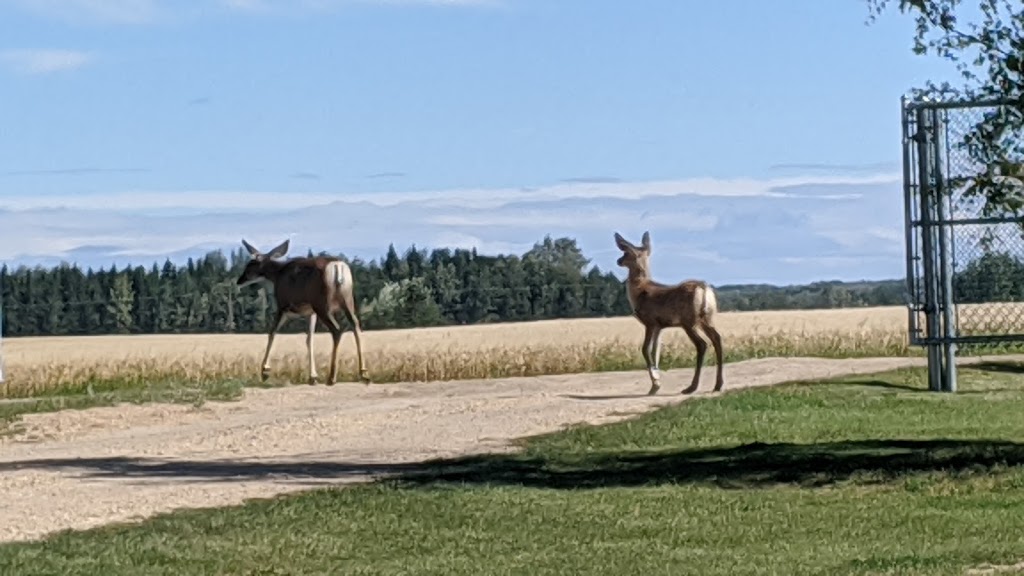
point(1000, 367)
point(876, 384)
point(747, 466)
point(121, 468)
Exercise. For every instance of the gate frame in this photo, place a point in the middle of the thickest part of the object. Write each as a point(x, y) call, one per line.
point(928, 221)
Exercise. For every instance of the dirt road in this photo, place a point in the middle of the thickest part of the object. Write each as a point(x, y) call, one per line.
point(79, 469)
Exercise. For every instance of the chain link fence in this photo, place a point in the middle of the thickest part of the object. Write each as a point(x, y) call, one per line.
point(965, 247)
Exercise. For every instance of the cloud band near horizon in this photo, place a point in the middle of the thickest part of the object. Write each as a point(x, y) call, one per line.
point(736, 230)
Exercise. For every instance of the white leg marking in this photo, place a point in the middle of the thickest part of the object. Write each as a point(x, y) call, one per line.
point(309, 345)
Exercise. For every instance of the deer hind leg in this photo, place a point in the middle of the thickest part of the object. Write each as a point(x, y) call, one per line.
point(350, 312)
point(702, 348)
point(651, 339)
point(336, 333)
point(716, 341)
point(309, 346)
point(274, 327)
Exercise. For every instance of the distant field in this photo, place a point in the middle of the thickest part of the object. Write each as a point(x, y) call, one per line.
point(70, 364)
point(38, 365)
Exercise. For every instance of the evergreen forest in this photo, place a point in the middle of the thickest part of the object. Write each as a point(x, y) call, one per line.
point(416, 288)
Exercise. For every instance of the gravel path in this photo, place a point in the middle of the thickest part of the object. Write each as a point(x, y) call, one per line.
point(80, 469)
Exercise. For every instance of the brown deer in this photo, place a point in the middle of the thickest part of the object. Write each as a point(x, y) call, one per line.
point(313, 287)
point(687, 305)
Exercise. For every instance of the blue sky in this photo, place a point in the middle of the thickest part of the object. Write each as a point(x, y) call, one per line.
point(756, 141)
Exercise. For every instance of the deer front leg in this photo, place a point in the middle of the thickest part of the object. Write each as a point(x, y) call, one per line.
point(309, 345)
point(650, 334)
point(274, 327)
point(656, 351)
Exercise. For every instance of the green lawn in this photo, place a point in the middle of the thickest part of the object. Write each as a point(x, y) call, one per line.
point(863, 475)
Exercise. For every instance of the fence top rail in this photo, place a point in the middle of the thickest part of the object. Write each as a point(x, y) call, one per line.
point(952, 104)
point(995, 220)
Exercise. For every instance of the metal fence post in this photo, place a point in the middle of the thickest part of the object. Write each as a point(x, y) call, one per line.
point(925, 151)
point(913, 329)
point(940, 195)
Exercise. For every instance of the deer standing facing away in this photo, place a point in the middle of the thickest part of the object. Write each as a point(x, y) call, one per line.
point(313, 287)
point(688, 305)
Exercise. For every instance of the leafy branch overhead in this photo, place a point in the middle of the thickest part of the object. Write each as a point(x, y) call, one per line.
point(984, 39)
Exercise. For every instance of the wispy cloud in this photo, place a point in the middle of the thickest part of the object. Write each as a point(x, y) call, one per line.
point(592, 180)
point(439, 2)
point(249, 5)
point(823, 188)
point(831, 167)
point(782, 230)
point(29, 61)
point(380, 175)
point(112, 11)
point(75, 171)
point(279, 5)
point(134, 12)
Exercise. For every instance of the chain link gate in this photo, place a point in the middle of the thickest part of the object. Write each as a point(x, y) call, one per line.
point(965, 272)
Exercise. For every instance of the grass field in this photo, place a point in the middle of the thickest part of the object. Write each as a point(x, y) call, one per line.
point(101, 363)
point(865, 475)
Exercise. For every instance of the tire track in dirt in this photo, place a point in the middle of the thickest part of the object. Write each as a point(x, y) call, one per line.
point(77, 469)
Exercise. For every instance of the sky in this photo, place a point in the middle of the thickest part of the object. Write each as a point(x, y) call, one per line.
point(755, 141)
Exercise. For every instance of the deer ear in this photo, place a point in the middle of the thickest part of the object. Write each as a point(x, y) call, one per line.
point(645, 242)
point(279, 250)
point(252, 251)
point(622, 243)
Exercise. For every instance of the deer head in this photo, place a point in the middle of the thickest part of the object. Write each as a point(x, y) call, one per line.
point(634, 258)
point(255, 270)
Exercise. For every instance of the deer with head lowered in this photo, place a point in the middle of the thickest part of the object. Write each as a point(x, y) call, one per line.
point(311, 287)
point(690, 305)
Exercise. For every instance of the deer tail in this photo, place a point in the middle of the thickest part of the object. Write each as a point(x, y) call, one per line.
point(708, 302)
point(340, 274)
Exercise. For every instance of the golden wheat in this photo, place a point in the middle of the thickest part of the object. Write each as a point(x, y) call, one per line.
point(42, 364)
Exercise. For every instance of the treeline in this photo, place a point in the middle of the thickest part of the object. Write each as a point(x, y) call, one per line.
point(418, 288)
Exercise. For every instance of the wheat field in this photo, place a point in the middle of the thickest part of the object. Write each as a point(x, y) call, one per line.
point(43, 364)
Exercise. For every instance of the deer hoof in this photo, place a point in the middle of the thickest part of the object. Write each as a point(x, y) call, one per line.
point(313, 380)
point(654, 389)
point(364, 377)
point(689, 390)
point(718, 387)
point(265, 375)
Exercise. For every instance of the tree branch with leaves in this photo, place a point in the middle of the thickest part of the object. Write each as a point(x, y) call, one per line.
point(986, 46)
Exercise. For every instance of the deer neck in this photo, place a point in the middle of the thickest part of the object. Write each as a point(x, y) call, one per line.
point(636, 281)
point(271, 270)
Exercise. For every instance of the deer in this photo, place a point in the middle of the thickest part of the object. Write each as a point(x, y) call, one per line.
point(306, 287)
point(690, 305)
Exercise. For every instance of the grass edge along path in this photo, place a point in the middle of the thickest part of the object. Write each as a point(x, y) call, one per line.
point(866, 474)
point(171, 391)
